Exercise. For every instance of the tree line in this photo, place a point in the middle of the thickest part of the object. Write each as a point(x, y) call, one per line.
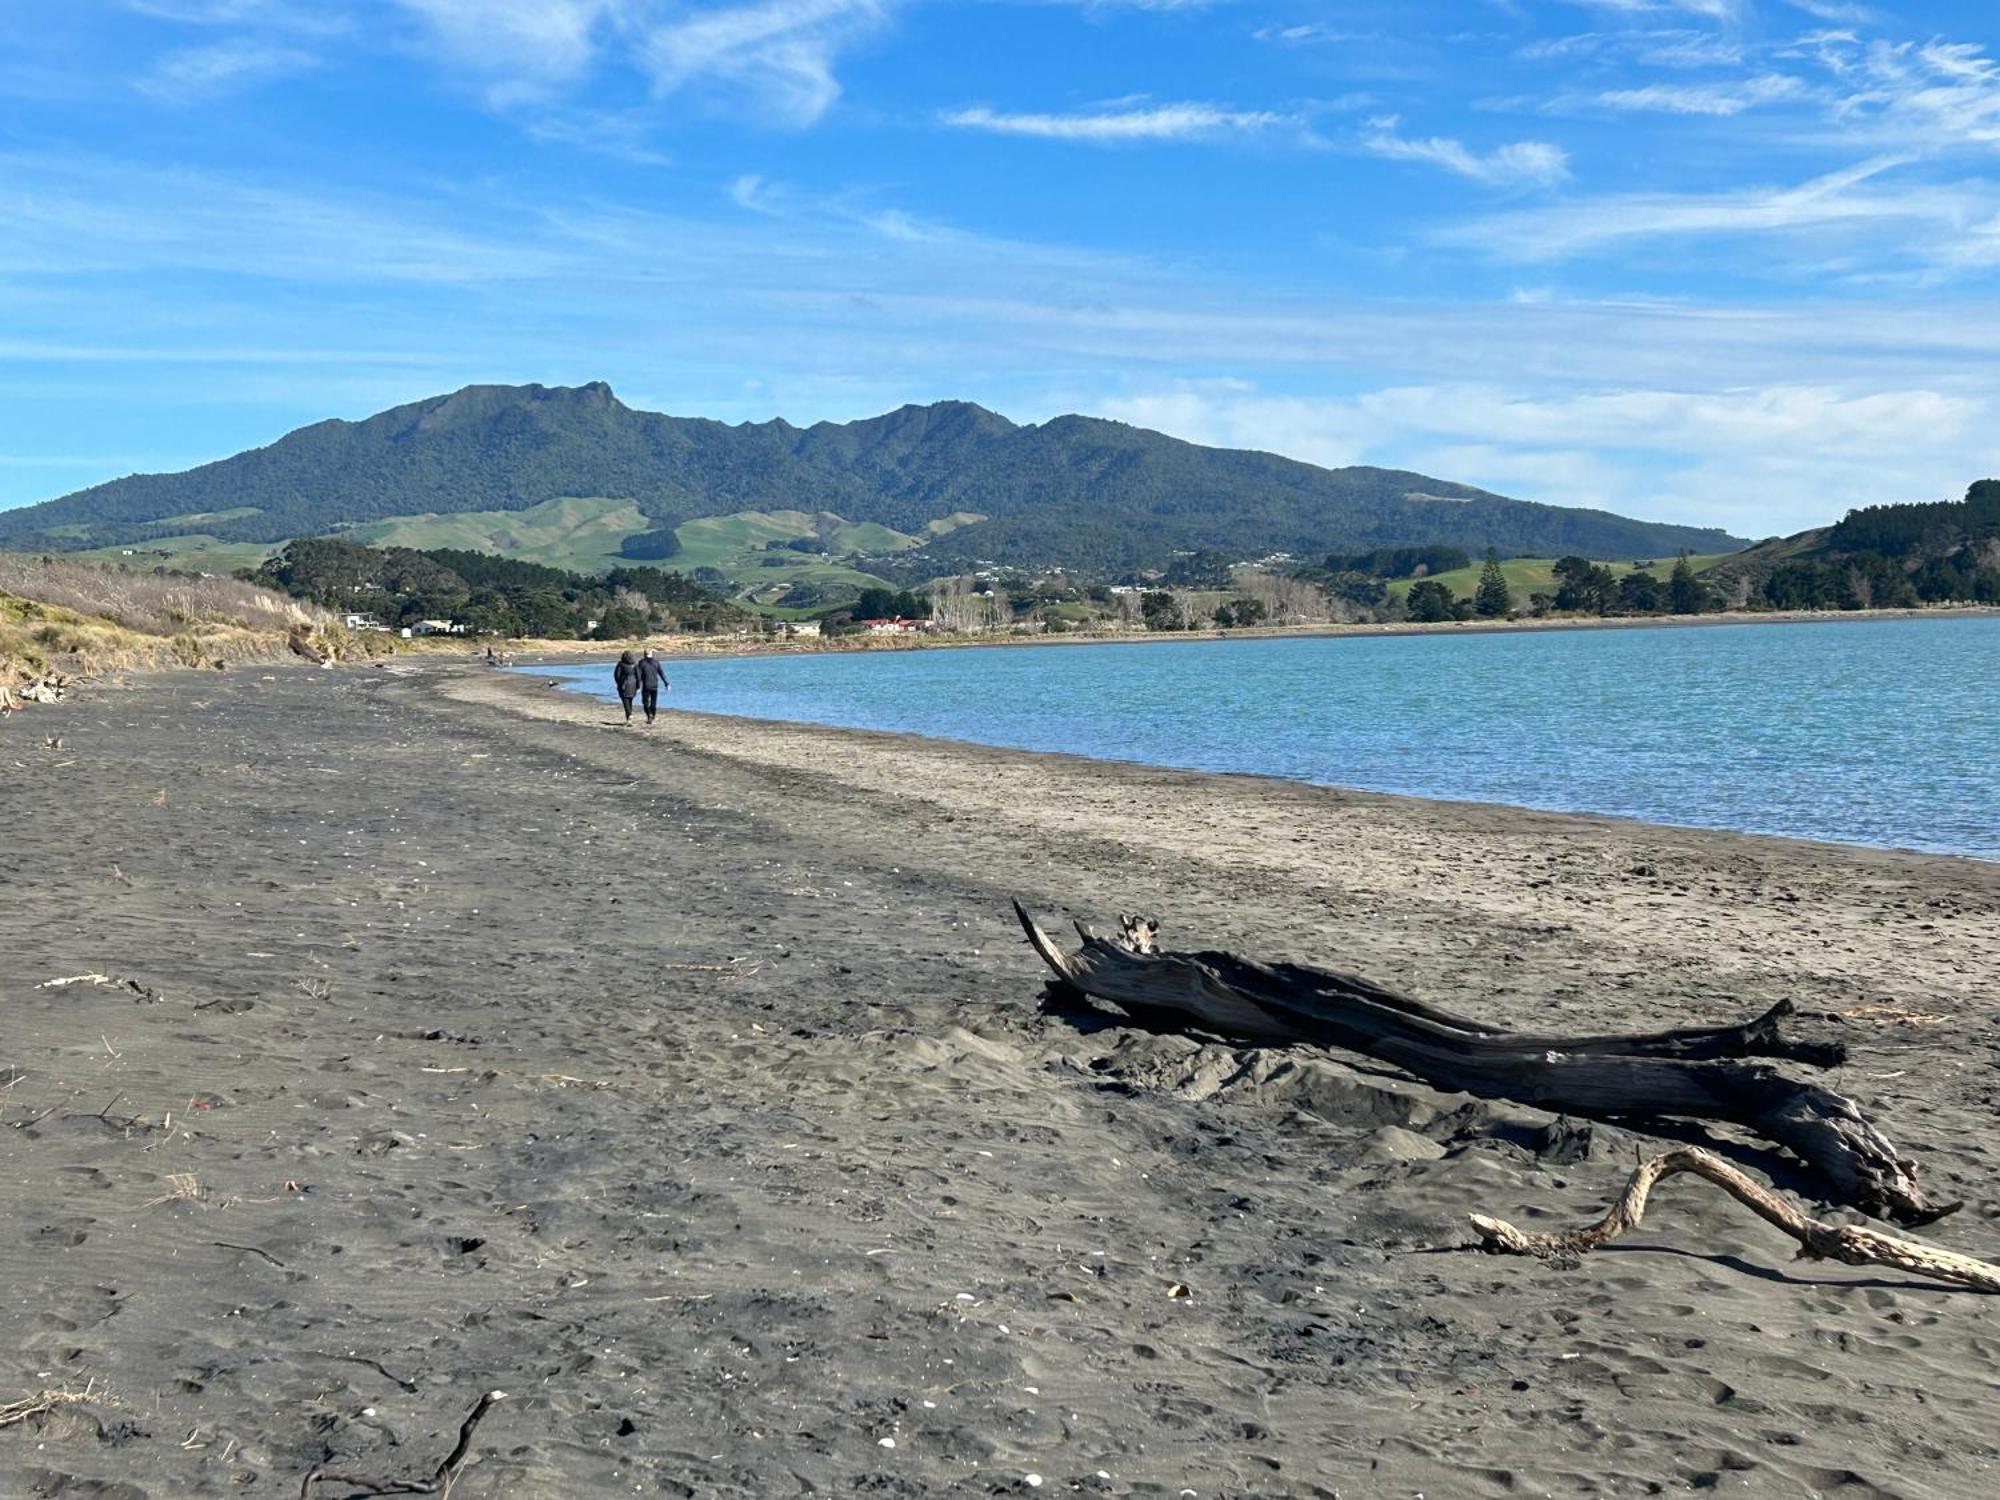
point(491, 595)
point(1582, 587)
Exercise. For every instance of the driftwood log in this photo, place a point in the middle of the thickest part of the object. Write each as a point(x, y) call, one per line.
point(1697, 1073)
point(1852, 1244)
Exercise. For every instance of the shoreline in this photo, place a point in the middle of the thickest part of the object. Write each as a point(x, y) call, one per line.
point(696, 1086)
point(517, 690)
point(682, 647)
point(523, 674)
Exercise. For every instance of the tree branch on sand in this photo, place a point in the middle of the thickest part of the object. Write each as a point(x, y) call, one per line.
point(1692, 1073)
point(1818, 1240)
point(437, 1483)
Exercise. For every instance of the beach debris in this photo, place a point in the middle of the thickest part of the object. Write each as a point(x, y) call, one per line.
point(182, 1187)
point(49, 687)
point(42, 1402)
point(301, 643)
point(438, 1483)
point(1851, 1244)
point(143, 992)
point(1700, 1073)
point(250, 1250)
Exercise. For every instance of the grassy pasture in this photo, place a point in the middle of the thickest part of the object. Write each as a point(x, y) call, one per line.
point(196, 551)
point(1536, 575)
point(579, 533)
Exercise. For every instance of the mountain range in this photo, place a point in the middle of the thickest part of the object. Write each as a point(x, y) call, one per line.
point(952, 480)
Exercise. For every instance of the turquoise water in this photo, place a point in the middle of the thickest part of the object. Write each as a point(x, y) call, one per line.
point(1879, 732)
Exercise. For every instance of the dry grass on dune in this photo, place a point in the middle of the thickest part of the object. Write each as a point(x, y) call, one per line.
point(147, 602)
point(80, 617)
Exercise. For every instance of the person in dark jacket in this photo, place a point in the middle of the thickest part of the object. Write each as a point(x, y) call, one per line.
point(652, 679)
point(625, 677)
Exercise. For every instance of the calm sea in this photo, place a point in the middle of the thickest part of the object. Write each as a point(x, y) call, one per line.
point(1879, 732)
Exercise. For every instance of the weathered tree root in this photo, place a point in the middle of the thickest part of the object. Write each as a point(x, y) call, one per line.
point(439, 1483)
point(1705, 1073)
point(1818, 1240)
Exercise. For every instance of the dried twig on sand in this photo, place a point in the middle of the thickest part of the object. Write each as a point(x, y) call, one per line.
point(44, 1402)
point(439, 1483)
point(182, 1187)
point(1818, 1240)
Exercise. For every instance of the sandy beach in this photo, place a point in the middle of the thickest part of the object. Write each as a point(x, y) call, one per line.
point(431, 1034)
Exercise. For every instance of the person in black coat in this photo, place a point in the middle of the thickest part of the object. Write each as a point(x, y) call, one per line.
point(652, 680)
point(625, 677)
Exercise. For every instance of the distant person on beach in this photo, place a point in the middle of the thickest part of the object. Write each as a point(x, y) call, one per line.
point(652, 678)
point(625, 677)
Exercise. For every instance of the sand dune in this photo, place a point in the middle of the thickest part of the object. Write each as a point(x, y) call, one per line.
point(694, 1087)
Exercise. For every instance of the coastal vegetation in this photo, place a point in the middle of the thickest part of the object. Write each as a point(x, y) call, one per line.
point(484, 594)
point(61, 614)
point(1880, 556)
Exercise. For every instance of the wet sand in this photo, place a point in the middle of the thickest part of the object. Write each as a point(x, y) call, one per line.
point(693, 1086)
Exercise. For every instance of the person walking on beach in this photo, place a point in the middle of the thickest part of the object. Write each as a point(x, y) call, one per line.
point(625, 677)
point(652, 678)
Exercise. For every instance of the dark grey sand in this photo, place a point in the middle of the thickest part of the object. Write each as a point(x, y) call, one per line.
point(694, 1087)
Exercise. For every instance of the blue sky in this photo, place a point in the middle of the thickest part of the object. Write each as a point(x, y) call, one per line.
point(1732, 262)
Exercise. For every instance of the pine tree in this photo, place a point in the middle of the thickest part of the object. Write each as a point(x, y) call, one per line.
point(1494, 600)
point(1683, 589)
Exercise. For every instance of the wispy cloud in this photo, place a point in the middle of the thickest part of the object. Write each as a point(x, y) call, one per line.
point(1157, 122)
point(1925, 97)
point(192, 74)
point(777, 58)
point(1849, 199)
point(525, 47)
point(287, 15)
point(1519, 163)
point(1109, 5)
point(1720, 100)
point(773, 60)
point(1718, 10)
point(1840, 12)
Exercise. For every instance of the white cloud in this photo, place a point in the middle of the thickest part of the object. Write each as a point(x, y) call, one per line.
point(1108, 5)
point(528, 46)
point(1535, 163)
point(1717, 99)
point(773, 59)
point(196, 73)
point(1926, 97)
point(1688, 49)
point(1717, 10)
point(1160, 122)
point(286, 15)
point(751, 191)
point(776, 57)
point(1755, 460)
point(1842, 201)
point(1840, 12)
